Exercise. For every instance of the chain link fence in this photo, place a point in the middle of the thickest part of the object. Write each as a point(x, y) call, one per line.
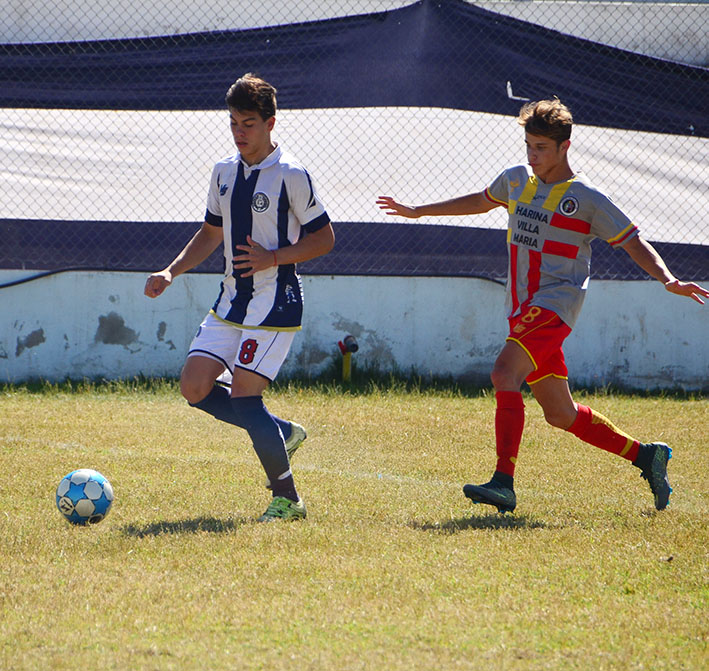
point(112, 115)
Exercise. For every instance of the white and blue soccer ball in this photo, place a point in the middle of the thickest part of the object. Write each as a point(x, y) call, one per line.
point(84, 496)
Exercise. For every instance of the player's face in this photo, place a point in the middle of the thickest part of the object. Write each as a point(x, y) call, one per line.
point(544, 156)
point(252, 134)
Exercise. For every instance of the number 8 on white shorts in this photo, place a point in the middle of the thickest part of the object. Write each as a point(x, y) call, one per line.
point(257, 350)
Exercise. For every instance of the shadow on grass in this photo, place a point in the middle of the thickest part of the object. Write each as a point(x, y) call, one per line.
point(200, 524)
point(491, 521)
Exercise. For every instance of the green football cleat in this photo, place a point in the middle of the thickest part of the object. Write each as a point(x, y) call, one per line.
point(282, 508)
point(493, 494)
point(655, 472)
point(296, 438)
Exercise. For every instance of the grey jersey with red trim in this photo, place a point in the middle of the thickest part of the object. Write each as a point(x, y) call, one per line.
point(549, 236)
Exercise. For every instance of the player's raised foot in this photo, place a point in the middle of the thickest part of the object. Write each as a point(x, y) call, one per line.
point(494, 494)
point(293, 442)
point(282, 508)
point(297, 436)
point(652, 460)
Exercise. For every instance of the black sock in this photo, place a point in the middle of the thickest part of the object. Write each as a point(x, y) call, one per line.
point(503, 479)
point(642, 461)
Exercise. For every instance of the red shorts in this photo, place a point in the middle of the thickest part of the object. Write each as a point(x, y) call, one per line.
point(541, 333)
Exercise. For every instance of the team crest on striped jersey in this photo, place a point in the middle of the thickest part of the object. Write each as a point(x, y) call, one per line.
point(260, 202)
point(569, 206)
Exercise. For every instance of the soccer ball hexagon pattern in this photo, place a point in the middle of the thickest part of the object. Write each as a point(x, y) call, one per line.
point(84, 497)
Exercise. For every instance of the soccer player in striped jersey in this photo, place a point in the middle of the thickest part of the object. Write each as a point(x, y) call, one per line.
point(554, 214)
point(263, 208)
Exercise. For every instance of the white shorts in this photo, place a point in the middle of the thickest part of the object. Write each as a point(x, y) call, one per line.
point(260, 351)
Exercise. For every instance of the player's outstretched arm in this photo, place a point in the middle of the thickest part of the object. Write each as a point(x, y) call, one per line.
point(646, 256)
point(202, 244)
point(473, 203)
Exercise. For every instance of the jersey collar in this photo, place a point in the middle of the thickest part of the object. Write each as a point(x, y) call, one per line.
point(272, 158)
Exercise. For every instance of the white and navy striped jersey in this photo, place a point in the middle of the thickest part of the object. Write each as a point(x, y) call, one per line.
point(272, 202)
point(549, 236)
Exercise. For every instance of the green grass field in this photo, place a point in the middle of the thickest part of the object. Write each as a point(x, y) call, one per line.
point(393, 569)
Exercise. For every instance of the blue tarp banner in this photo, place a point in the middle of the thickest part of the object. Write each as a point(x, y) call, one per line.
point(451, 251)
point(443, 53)
point(440, 54)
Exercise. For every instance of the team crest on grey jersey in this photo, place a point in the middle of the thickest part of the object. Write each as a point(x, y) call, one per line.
point(569, 206)
point(260, 202)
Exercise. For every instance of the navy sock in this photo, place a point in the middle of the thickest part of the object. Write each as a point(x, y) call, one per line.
point(252, 415)
point(216, 403)
point(283, 424)
point(285, 487)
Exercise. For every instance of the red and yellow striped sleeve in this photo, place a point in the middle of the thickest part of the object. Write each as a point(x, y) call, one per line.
point(624, 235)
point(492, 199)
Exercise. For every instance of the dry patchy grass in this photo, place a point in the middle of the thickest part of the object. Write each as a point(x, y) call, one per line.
point(393, 568)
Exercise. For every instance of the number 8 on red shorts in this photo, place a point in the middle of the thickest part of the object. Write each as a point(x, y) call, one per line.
point(541, 333)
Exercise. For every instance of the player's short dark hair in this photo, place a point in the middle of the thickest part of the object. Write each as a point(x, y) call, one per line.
point(252, 93)
point(548, 118)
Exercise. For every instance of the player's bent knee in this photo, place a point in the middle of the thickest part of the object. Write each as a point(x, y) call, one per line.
point(197, 378)
point(497, 378)
point(503, 379)
point(193, 391)
point(559, 420)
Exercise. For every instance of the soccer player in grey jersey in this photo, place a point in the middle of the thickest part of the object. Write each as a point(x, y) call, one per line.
point(263, 208)
point(554, 214)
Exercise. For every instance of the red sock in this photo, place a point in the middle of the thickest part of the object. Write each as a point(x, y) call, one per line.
point(592, 427)
point(509, 423)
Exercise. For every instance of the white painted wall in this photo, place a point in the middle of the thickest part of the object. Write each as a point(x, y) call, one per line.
point(99, 325)
point(676, 31)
